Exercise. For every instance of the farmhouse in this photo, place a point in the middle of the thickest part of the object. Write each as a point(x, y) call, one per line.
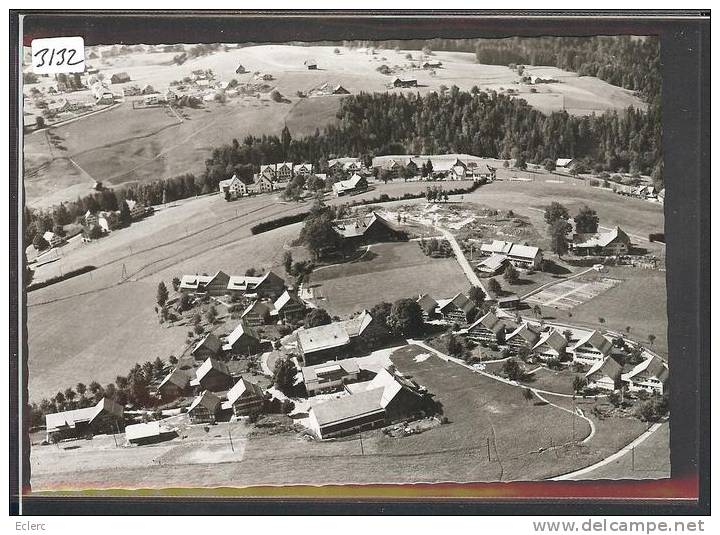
point(366, 229)
point(521, 256)
point(204, 409)
point(615, 242)
point(104, 417)
point(551, 345)
point(244, 398)
point(91, 218)
point(270, 285)
point(564, 163)
point(209, 346)
point(456, 309)
point(289, 307)
point(450, 169)
point(213, 375)
point(650, 375)
point(243, 340)
point(509, 302)
point(398, 82)
point(345, 164)
point(488, 328)
point(53, 239)
point(591, 348)
point(524, 336)
point(262, 184)
point(428, 306)
point(268, 170)
point(137, 210)
point(493, 264)
point(119, 78)
point(354, 184)
point(214, 285)
point(311, 64)
point(604, 374)
point(338, 339)
point(257, 313)
point(148, 433)
point(234, 187)
point(330, 376)
point(302, 169)
point(388, 398)
point(175, 384)
point(340, 90)
point(432, 65)
point(284, 171)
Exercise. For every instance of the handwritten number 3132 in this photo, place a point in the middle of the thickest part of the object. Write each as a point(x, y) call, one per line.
point(58, 55)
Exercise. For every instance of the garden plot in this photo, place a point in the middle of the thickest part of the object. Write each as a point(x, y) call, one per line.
point(569, 294)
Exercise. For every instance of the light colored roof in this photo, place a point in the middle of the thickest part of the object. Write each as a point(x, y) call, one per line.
point(497, 247)
point(210, 364)
point(600, 239)
point(242, 329)
point(194, 281)
point(357, 325)
point(285, 299)
point(88, 414)
point(347, 185)
point(608, 367)
point(348, 366)
point(342, 161)
point(493, 262)
point(562, 162)
point(144, 430)
point(553, 340)
point(241, 387)
point(323, 337)
point(524, 251)
point(207, 399)
point(350, 407)
point(654, 366)
point(596, 340)
point(358, 226)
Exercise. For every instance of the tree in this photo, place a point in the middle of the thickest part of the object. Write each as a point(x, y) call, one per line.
point(586, 221)
point(198, 329)
point(476, 295)
point(511, 274)
point(94, 233)
point(317, 317)
point(284, 375)
point(494, 286)
point(528, 395)
point(125, 218)
point(176, 283)
point(318, 234)
point(211, 314)
point(578, 383)
point(39, 242)
point(454, 346)
point(288, 262)
point(559, 230)
point(555, 211)
point(651, 339)
point(162, 294)
point(173, 360)
point(406, 318)
point(512, 369)
point(381, 311)
point(549, 164)
point(601, 321)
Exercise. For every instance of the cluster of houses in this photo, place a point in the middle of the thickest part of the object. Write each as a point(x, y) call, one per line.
point(271, 177)
point(102, 218)
point(106, 416)
point(645, 192)
point(548, 342)
point(448, 166)
point(498, 254)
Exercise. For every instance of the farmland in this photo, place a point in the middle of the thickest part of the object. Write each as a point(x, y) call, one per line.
point(125, 145)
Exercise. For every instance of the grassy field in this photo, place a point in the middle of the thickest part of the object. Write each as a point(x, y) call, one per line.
point(126, 145)
point(389, 271)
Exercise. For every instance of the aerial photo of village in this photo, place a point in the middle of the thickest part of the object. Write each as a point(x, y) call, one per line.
point(347, 262)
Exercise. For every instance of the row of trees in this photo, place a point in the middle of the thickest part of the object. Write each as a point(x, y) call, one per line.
point(557, 217)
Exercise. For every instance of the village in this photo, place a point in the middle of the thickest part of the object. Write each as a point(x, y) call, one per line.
point(262, 350)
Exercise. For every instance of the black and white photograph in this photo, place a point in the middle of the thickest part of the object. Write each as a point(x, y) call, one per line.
point(345, 262)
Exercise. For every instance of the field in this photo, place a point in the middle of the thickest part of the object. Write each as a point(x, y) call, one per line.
point(386, 272)
point(124, 145)
point(569, 294)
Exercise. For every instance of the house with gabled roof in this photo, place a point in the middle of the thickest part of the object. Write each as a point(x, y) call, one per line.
point(564, 163)
point(234, 187)
point(302, 169)
point(353, 185)
point(347, 164)
point(551, 345)
point(521, 256)
point(339, 339)
point(148, 433)
point(493, 264)
point(650, 375)
point(284, 171)
point(311, 64)
point(604, 374)
point(428, 306)
point(591, 348)
point(488, 328)
point(524, 336)
point(370, 228)
point(330, 376)
point(243, 340)
point(205, 408)
point(268, 170)
point(214, 285)
point(268, 286)
point(257, 313)
point(457, 309)
point(289, 307)
point(106, 416)
point(614, 242)
point(244, 398)
point(174, 385)
point(208, 346)
point(213, 375)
